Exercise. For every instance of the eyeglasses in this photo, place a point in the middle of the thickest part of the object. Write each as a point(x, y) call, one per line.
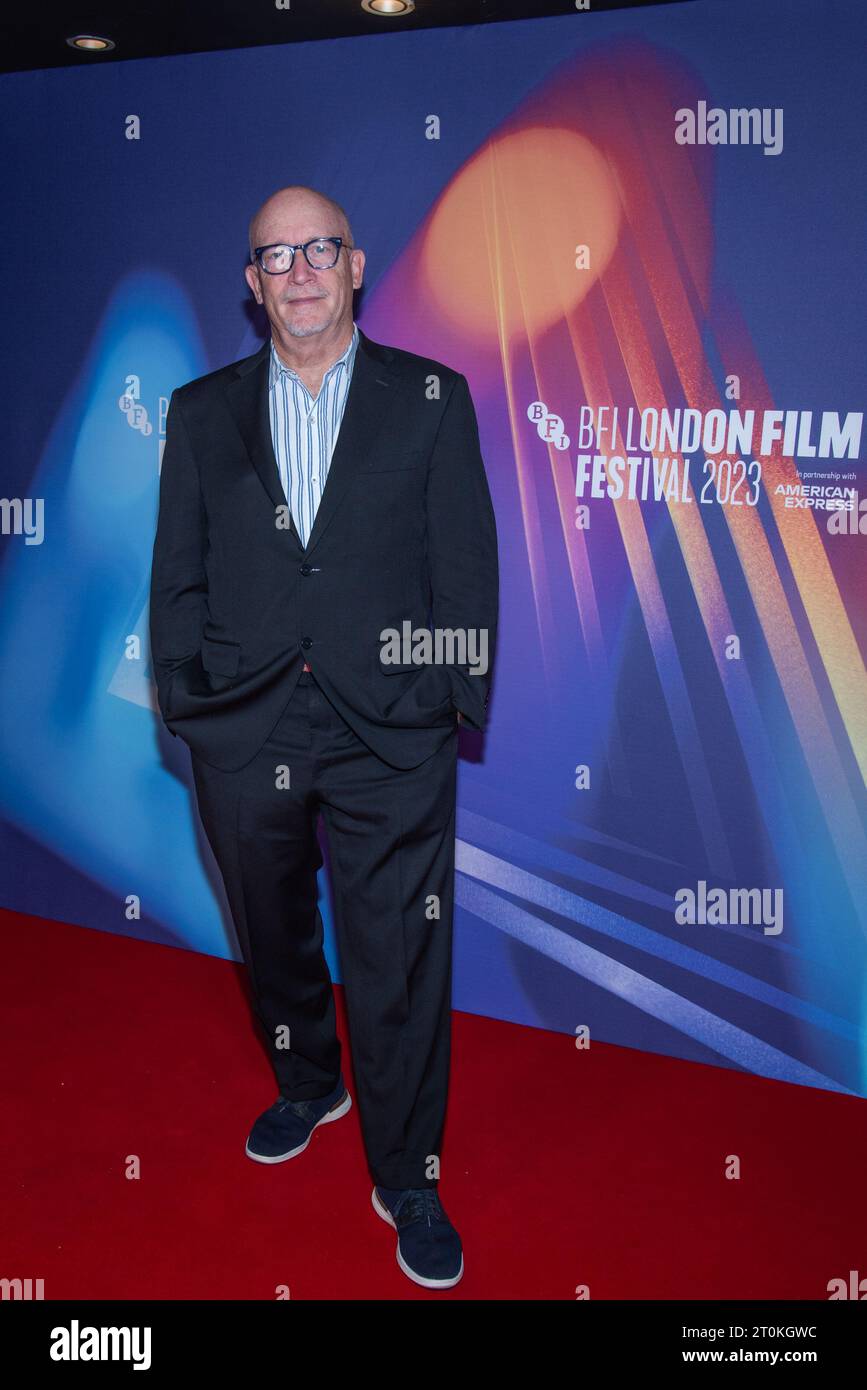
point(321, 253)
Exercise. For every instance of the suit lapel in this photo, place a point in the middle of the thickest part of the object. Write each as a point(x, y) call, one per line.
point(363, 417)
point(247, 395)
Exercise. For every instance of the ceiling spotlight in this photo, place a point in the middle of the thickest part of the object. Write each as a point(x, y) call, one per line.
point(90, 43)
point(391, 9)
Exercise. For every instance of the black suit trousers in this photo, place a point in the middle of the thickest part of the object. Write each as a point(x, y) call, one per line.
point(391, 838)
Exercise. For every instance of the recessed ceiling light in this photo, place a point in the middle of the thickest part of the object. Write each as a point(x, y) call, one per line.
point(90, 43)
point(389, 9)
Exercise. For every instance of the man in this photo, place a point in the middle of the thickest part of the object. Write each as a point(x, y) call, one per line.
point(315, 499)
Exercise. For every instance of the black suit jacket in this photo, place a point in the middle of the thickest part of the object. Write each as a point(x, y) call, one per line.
point(405, 531)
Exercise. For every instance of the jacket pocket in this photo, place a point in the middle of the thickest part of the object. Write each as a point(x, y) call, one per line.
point(399, 459)
point(393, 668)
point(221, 658)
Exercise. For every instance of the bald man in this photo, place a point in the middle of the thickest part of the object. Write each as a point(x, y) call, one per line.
point(323, 608)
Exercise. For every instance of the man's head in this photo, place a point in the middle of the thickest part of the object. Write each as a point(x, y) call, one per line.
point(305, 301)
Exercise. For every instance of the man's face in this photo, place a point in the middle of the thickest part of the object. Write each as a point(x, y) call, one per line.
point(305, 301)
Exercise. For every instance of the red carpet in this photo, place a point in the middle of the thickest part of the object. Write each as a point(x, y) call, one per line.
point(560, 1167)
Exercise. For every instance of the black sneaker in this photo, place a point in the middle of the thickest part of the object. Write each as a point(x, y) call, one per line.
point(285, 1128)
point(428, 1246)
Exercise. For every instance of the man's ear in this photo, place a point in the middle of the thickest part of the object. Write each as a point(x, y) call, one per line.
point(251, 275)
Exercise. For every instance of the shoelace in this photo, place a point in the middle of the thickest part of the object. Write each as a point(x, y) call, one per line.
point(420, 1204)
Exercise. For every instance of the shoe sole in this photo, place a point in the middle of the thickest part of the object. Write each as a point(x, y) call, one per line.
point(334, 1113)
point(386, 1215)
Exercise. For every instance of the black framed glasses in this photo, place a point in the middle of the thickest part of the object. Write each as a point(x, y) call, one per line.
point(321, 253)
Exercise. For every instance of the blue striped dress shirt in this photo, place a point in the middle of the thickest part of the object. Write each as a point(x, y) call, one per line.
point(304, 431)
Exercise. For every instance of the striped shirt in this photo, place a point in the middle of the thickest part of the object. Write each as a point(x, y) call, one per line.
point(304, 431)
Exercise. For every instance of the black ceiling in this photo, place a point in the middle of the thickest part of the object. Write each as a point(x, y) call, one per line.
point(34, 36)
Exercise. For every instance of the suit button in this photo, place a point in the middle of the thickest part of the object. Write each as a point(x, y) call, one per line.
point(305, 568)
point(306, 642)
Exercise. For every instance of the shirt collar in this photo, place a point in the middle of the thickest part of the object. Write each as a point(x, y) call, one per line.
point(279, 368)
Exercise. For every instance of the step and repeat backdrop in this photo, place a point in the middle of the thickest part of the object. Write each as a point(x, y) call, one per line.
point(641, 236)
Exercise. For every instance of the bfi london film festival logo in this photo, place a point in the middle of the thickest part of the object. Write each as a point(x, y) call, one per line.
point(137, 416)
point(549, 426)
point(25, 516)
point(655, 453)
point(131, 680)
point(739, 126)
point(130, 403)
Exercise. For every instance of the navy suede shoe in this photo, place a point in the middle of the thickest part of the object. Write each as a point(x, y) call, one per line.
point(285, 1128)
point(428, 1246)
